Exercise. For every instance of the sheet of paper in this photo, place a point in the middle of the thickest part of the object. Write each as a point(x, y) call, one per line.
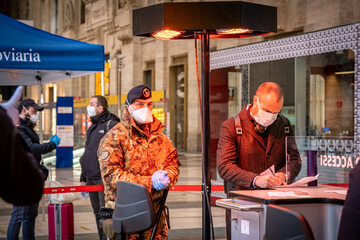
point(286, 194)
point(344, 192)
point(84, 195)
point(268, 171)
point(302, 181)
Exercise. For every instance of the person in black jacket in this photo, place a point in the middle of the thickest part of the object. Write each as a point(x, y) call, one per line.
point(102, 121)
point(350, 218)
point(22, 178)
point(26, 215)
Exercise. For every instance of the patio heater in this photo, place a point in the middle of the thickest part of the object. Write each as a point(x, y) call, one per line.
point(204, 20)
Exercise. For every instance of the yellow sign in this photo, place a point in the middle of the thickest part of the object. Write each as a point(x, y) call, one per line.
point(156, 96)
point(113, 99)
point(84, 102)
point(98, 83)
point(159, 113)
point(107, 78)
point(107, 67)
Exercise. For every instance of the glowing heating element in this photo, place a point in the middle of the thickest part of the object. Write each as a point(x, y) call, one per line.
point(166, 34)
point(234, 31)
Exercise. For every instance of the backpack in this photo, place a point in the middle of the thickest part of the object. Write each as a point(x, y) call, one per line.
point(238, 127)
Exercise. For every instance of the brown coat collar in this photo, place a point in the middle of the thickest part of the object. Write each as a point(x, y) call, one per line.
point(249, 126)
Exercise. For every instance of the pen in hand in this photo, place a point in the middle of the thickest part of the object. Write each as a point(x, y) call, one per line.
point(272, 172)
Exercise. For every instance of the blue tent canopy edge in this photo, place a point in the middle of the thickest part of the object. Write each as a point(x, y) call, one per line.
point(28, 54)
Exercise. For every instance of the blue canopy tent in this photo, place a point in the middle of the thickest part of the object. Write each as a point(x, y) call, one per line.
point(30, 56)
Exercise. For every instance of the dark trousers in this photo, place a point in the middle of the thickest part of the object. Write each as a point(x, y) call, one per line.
point(26, 216)
point(97, 202)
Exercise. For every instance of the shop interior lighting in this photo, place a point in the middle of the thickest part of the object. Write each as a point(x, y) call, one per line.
point(345, 73)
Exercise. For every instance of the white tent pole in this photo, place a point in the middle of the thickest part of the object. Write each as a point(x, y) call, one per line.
point(120, 66)
point(102, 84)
point(40, 113)
point(41, 141)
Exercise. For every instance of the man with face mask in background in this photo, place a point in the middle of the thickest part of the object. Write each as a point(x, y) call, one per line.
point(26, 215)
point(137, 151)
point(102, 121)
point(254, 140)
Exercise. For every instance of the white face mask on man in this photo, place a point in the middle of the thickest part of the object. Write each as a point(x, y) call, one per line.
point(141, 115)
point(264, 118)
point(34, 118)
point(91, 111)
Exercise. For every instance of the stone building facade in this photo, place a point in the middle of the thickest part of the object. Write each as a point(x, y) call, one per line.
point(165, 65)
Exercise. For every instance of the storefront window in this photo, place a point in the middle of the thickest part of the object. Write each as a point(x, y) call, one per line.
point(318, 93)
point(234, 92)
point(332, 86)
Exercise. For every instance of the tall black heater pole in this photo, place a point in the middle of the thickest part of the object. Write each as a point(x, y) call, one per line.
point(205, 83)
point(186, 17)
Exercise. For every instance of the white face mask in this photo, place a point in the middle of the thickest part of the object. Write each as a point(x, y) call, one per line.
point(34, 118)
point(264, 118)
point(91, 111)
point(142, 115)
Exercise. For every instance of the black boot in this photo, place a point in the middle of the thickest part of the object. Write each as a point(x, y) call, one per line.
point(102, 236)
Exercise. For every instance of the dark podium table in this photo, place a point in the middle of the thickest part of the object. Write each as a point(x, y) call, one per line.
point(321, 206)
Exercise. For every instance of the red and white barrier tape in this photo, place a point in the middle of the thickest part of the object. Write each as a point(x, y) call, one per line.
point(88, 188)
point(94, 188)
point(189, 188)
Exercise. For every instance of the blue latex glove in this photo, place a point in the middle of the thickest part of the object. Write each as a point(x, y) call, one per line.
point(55, 139)
point(160, 180)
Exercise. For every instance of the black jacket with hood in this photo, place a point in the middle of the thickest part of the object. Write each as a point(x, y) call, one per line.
point(32, 140)
point(101, 123)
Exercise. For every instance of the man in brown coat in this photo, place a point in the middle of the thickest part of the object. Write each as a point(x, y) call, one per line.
point(257, 143)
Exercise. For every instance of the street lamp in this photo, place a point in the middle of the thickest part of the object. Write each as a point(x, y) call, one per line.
point(120, 65)
point(189, 20)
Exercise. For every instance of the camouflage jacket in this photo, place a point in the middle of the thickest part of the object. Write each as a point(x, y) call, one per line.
point(126, 154)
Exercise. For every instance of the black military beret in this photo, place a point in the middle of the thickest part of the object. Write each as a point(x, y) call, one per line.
point(138, 92)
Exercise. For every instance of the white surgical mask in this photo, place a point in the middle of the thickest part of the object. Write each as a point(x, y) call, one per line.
point(141, 115)
point(264, 118)
point(91, 111)
point(34, 118)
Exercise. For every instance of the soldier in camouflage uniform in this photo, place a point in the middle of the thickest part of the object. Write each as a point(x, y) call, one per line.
point(136, 151)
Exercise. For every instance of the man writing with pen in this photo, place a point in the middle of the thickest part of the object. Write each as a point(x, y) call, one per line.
point(254, 140)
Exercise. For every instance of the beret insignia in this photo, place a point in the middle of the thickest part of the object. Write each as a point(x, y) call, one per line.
point(146, 93)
